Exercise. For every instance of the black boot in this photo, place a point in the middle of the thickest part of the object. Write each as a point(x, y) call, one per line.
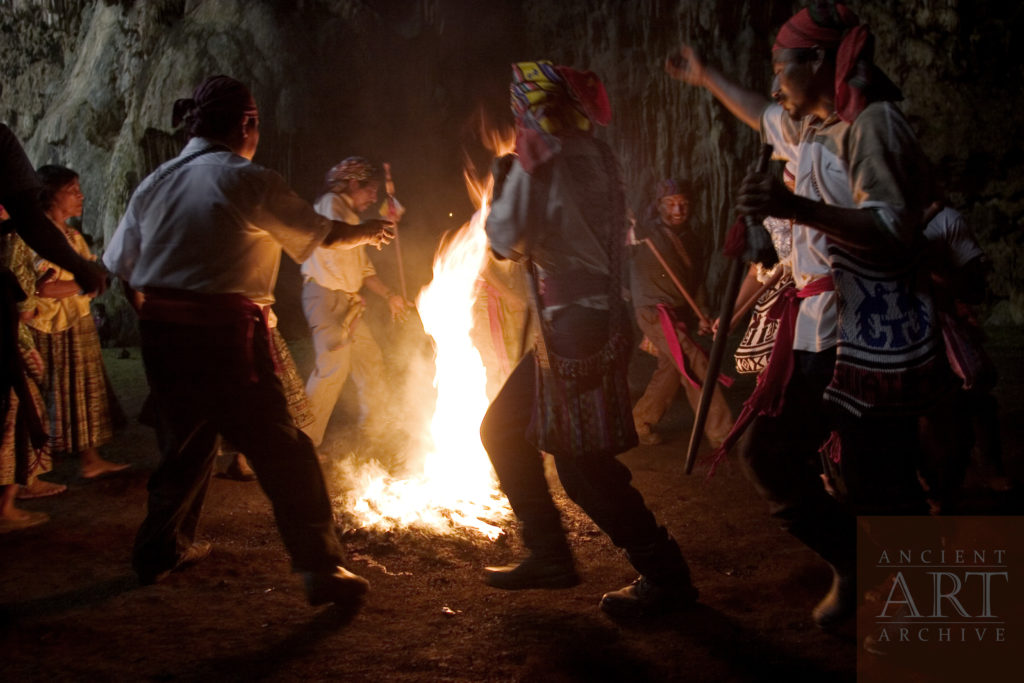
point(644, 597)
point(538, 570)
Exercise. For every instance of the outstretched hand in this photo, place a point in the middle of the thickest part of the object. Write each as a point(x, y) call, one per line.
point(686, 66)
point(399, 307)
point(378, 232)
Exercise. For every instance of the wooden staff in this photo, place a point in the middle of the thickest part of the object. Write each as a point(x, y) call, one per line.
point(389, 189)
point(679, 285)
point(745, 307)
point(737, 269)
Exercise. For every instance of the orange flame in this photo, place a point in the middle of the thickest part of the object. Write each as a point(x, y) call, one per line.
point(455, 488)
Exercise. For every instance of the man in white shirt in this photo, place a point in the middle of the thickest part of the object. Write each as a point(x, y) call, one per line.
point(333, 277)
point(860, 193)
point(201, 242)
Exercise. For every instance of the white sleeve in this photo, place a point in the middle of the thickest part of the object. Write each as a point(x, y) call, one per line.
point(122, 252)
point(508, 220)
point(780, 131)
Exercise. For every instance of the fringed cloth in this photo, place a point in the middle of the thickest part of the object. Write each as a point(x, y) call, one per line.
point(767, 397)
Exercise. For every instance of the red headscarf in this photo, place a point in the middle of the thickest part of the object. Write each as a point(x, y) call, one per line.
point(831, 25)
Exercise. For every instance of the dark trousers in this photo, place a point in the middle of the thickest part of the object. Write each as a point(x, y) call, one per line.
point(876, 473)
point(601, 486)
point(218, 380)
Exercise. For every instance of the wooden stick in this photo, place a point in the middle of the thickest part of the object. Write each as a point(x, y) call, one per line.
point(389, 189)
point(679, 285)
point(737, 269)
point(745, 307)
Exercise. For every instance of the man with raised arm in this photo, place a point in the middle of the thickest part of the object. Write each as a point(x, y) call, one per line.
point(201, 242)
point(856, 344)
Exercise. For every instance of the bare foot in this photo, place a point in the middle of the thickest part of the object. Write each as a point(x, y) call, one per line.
point(14, 519)
point(98, 467)
point(40, 489)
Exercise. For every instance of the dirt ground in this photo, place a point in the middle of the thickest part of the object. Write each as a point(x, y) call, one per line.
point(71, 609)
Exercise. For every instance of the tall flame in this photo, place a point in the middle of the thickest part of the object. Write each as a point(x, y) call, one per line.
point(455, 487)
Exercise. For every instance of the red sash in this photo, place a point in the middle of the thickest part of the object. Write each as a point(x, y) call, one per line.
point(671, 328)
point(768, 394)
point(183, 307)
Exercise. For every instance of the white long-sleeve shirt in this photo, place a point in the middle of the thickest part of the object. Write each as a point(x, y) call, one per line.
point(216, 225)
point(341, 268)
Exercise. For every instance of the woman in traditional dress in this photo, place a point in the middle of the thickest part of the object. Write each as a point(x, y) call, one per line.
point(81, 404)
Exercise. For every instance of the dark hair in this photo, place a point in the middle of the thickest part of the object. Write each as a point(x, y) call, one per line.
point(54, 179)
point(218, 105)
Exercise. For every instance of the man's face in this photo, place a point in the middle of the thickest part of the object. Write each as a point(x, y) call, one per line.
point(363, 194)
point(793, 84)
point(250, 133)
point(674, 210)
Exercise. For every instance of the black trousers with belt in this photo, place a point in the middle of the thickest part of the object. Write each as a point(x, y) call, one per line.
point(218, 380)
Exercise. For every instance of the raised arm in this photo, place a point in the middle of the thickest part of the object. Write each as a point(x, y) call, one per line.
point(746, 105)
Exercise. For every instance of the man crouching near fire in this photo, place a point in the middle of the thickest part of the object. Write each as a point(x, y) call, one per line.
point(201, 243)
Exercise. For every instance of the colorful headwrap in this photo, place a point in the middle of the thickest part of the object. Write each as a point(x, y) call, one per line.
point(666, 188)
point(669, 187)
point(549, 101)
point(218, 98)
point(831, 25)
point(352, 168)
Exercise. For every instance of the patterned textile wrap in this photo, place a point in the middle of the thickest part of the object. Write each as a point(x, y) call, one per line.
point(583, 407)
point(888, 352)
point(549, 101)
point(756, 346)
point(966, 353)
point(769, 392)
point(294, 386)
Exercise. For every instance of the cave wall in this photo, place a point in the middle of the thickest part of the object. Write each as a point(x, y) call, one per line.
point(954, 59)
point(90, 84)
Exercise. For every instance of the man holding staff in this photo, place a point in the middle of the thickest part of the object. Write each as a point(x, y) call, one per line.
point(840, 372)
point(667, 285)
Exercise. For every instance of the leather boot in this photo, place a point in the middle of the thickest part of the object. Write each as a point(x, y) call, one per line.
point(644, 597)
point(840, 603)
point(538, 570)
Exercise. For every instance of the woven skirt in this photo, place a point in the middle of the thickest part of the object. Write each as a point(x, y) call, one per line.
point(81, 407)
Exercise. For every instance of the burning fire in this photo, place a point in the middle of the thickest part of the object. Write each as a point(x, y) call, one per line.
point(455, 488)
